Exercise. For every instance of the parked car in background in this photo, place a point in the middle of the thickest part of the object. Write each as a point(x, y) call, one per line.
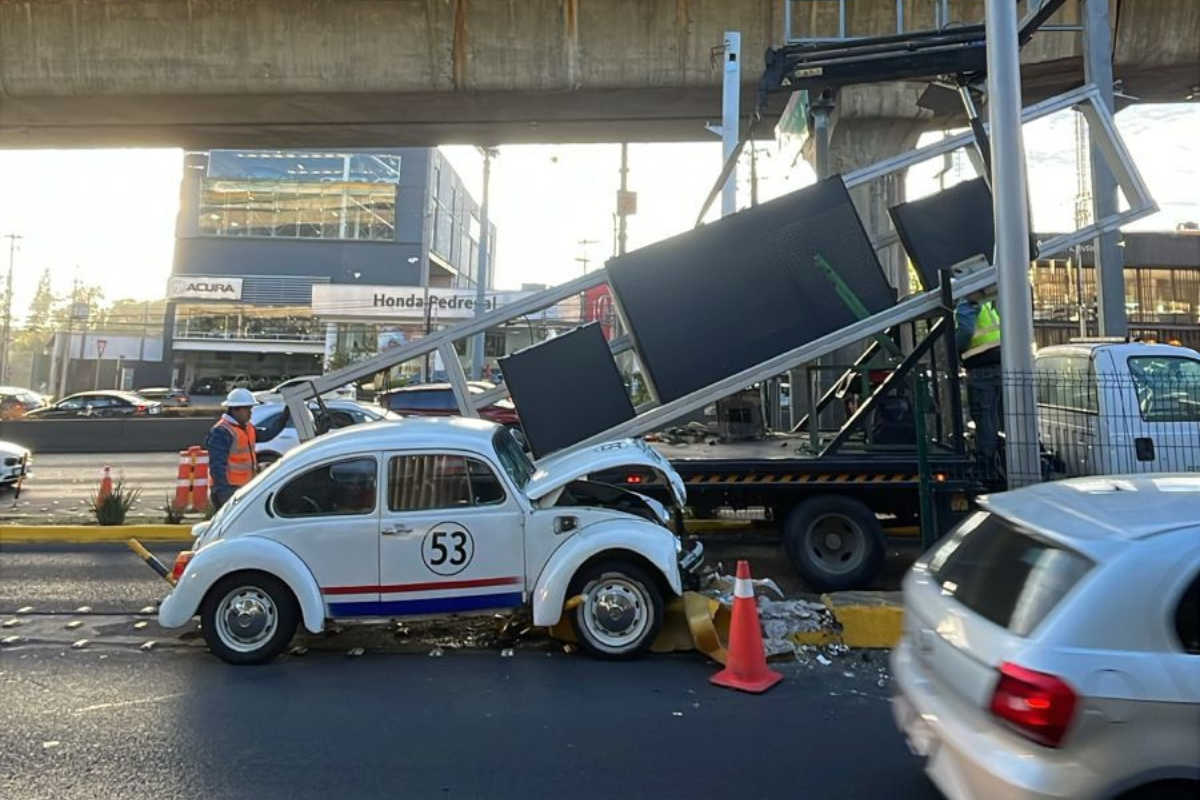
point(275, 394)
point(98, 404)
point(276, 434)
point(176, 398)
point(1051, 644)
point(15, 461)
point(16, 402)
point(209, 385)
point(437, 400)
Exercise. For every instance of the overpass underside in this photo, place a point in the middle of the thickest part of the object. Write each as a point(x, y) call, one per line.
point(295, 73)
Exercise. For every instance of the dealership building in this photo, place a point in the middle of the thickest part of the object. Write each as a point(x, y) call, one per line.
point(287, 261)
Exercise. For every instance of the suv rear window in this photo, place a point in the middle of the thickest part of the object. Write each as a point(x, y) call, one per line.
point(1004, 573)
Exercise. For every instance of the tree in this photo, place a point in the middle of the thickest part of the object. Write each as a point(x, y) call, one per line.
point(38, 321)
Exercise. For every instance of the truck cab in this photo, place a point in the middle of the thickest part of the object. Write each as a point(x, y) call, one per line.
point(1119, 407)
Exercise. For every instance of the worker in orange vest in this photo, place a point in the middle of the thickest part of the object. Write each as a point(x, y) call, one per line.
point(232, 462)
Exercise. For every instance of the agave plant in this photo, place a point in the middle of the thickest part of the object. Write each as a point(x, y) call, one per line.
point(112, 508)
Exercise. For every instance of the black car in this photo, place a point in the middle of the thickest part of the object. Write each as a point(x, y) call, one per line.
point(98, 404)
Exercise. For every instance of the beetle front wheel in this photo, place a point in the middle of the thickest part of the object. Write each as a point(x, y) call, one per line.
point(622, 610)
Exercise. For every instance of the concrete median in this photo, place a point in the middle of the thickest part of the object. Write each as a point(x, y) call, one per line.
point(124, 435)
point(91, 534)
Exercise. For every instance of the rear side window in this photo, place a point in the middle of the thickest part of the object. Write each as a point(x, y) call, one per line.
point(337, 489)
point(1067, 382)
point(1004, 573)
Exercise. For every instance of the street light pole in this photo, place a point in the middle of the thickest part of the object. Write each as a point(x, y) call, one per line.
point(481, 274)
point(1011, 213)
point(5, 345)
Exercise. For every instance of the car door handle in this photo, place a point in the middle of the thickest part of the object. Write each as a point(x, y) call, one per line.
point(388, 530)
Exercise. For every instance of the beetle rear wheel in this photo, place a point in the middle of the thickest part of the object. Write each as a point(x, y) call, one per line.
point(622, 611)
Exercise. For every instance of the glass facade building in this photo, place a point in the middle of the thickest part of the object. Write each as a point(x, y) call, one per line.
point(258, 229)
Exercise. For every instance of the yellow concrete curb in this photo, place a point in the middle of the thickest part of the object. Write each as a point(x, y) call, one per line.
point(83, 534)
point(867, 619)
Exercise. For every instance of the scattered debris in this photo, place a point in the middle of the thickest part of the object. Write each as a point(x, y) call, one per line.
point(148, 646)
point(50, 745)
point(437, 652)
point(506, 652)
point(10, 640)
point(83, 610)
point(140, 624)
point(298, 650)
point(568, 648)
point(73, 624)
point(148, 610)
point(355, 652)
point(79, 645)
point(676, 713)
point(822, 660)
point(25, 610)
point(10, 623)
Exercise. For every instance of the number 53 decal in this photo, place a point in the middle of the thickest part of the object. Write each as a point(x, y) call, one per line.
point(447, 548)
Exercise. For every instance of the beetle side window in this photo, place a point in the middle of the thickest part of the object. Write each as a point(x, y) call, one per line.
point(1187, 618)
point(337, 489)
point(419, 483)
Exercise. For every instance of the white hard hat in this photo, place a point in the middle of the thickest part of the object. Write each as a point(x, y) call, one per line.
point(239, 398)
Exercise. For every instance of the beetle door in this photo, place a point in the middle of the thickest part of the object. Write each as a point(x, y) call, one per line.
point(451, 536)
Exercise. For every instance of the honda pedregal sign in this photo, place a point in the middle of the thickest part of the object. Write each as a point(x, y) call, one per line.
point(200, 287)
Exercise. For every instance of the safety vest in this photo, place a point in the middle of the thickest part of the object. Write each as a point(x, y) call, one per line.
point(987, 331)
point(242, 461)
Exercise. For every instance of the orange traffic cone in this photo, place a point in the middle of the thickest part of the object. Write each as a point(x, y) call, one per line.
point(105, 484)
point(746, 667)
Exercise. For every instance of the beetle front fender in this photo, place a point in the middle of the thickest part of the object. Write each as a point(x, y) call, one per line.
point(655, 544)
point(225, 556)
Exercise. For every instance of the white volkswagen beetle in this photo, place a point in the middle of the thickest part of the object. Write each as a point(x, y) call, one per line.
point(432, 517)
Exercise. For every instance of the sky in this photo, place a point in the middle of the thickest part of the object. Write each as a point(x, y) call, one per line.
point(108, 216)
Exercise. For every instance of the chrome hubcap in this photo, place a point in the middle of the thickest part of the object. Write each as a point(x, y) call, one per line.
point(616, 612)
point(246, 619)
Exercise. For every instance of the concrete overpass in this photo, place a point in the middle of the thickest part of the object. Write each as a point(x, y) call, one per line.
point(294, 73)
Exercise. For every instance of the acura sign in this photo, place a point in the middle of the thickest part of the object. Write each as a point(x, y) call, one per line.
point(201, 287)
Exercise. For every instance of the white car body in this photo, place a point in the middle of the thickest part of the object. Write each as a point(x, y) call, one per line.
point(15, 461)
point(1087, 586)
point(1110, 409)
point(524, 548)
point(275, 395)
point(287, 438)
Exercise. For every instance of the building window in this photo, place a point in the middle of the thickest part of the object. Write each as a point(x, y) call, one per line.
point(296, 195)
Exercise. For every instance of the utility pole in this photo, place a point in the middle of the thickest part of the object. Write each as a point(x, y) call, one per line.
point(623, 210)
point(481, 274)
point(66, 348)
point(1011, 213)
point(5, 344)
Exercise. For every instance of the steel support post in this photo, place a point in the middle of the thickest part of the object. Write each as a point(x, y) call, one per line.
point(730, 115)
point(481, 273)
point(1012, 243)
point(1110, 262)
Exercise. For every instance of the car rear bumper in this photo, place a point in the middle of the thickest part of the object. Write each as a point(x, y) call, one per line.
point(968, 760)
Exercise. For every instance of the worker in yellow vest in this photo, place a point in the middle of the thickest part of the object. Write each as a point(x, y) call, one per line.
point(232, 462)
point(977, 334)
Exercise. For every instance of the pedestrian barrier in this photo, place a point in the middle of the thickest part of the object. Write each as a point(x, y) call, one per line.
point(746, 667)
point(191, 484)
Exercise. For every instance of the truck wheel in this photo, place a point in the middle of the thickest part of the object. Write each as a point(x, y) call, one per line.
point(622, 612)
point(248, 617)
point(834, 543)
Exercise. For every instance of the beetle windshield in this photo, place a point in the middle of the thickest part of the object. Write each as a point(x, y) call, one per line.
point(514, 460)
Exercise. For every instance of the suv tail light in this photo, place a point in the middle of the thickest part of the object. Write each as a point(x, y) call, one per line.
point(181, 562)
point(1038, 705)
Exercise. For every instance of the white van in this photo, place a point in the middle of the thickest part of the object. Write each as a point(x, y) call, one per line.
point(1116, 408)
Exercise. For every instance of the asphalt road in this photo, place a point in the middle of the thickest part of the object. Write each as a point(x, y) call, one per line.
point(119, 723)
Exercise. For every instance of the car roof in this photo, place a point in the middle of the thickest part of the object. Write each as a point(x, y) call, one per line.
point(1118, 349)
point(455, 433)
point(1111, 507)
point(438, 387)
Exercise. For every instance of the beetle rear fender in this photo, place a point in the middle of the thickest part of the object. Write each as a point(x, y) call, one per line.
point(249, 553)
point(654, 544)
